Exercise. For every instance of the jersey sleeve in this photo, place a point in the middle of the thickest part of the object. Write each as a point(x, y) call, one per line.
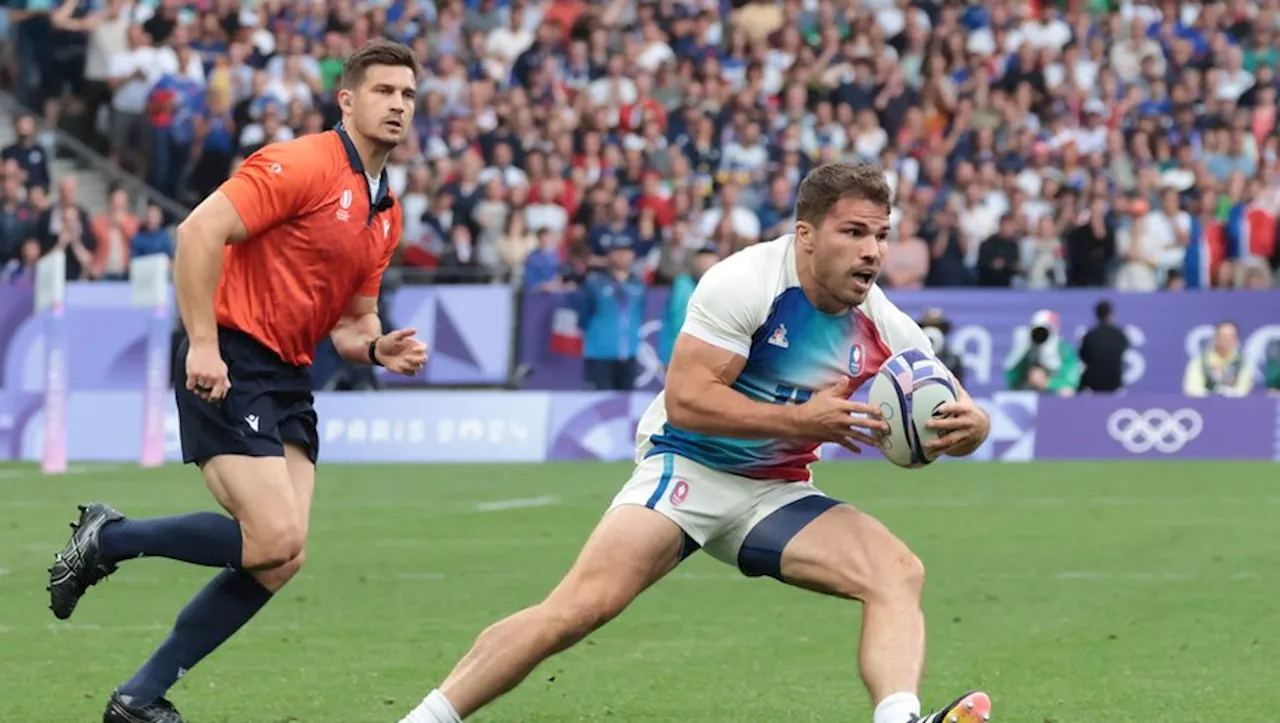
point(272, 185)
point(373, 283)
point(728, 305)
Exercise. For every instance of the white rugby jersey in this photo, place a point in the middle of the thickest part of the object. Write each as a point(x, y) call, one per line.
point(751, 304)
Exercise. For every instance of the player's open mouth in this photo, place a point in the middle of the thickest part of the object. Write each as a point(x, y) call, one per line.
point(395, 124)
point(864, 279)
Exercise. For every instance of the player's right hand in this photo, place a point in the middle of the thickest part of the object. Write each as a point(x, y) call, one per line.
point(829, 416)
point(207, 373)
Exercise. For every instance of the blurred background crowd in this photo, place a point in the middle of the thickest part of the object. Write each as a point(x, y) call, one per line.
point(1030, 144)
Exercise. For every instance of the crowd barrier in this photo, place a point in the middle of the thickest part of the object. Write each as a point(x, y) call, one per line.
point(506, 426)
point(473, 334)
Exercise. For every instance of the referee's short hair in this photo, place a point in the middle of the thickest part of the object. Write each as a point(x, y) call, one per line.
point(824, 187)
point(379, 51)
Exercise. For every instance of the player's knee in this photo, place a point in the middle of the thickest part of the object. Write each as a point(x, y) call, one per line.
point(275, 547)
point(277, 577)
point(897, 573)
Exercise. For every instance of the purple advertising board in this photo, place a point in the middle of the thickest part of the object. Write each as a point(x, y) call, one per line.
point(506, 426)
point(467, 329)
point(1156, 427)
point(1163, 330)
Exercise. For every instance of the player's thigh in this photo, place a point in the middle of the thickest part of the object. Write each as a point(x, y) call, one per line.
point(259, 492)
point(302, 473)
point(848, 553)
point(630, 549)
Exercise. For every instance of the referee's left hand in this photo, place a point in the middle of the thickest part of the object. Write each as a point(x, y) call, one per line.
point(401, 353)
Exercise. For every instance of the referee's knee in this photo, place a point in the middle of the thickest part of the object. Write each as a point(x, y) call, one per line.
point(273, 545)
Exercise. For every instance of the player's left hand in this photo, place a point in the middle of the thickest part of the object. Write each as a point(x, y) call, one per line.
point(401, 353)
point(964, 426)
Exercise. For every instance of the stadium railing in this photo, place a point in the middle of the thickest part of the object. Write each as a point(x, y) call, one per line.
point(140, 193)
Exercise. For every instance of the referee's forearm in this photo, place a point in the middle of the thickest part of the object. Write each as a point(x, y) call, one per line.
point(197, 267)
point(351, 337)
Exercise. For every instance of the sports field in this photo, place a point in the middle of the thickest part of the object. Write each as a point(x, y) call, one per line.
point(1071, 592)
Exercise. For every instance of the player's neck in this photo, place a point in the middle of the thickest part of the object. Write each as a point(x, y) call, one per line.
point(819, 299)
point(372, 155)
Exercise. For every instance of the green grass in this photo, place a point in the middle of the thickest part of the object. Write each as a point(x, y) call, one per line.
point(1071, 592)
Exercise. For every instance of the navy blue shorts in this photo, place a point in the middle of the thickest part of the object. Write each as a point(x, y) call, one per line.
point(269, 404)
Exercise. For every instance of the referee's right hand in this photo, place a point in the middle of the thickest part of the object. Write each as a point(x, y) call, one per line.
point(207, 373)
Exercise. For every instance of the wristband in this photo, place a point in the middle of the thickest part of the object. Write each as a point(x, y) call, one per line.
point(373, 352)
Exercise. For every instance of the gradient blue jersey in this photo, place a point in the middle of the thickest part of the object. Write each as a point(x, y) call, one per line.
point(752, 305)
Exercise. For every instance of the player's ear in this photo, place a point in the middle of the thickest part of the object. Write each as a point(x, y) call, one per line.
point(805, 235)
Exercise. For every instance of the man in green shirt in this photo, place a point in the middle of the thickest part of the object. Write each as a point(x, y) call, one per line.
point(681, 289)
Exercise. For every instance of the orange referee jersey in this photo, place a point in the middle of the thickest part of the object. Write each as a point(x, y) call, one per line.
point(316, 239)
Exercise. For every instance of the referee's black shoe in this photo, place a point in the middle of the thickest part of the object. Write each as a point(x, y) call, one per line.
point(122, 709)
point(79, 564)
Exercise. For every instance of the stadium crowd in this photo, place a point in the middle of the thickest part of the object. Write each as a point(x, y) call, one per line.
point(1029, 144)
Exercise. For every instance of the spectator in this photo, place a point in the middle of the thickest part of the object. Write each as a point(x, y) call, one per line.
point(131, 72)
point(516, 243)
point(460, 263)
point(66, 226)
point(777, 215)
point(610, 311)
point(17, 218)
point(1040, 256)
point(542, 265)
point(999, 254)
point(1102, 353)
point(1271, 368)
point(29, 154)
point(906, 260)
point(1147, 247)
point(1220, 369)
point(113, 232)
point(937, 329)
point(22, 268)
point(1091, 246)
point(617, 232)
point(153, 237)
point(681, 290)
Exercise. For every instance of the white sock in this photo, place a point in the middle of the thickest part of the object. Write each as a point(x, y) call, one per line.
point(435, 708)
point(898, 708)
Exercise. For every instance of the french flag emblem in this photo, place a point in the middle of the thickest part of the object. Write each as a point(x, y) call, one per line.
point(855, 360)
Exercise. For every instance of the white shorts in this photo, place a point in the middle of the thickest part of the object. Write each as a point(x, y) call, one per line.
point(740, 521)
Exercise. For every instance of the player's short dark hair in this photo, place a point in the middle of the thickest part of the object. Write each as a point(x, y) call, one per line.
point(826, 185)
point(1102, 310)
point(379, 51)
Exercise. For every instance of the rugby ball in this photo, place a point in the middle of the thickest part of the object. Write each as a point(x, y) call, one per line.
point(908, 390)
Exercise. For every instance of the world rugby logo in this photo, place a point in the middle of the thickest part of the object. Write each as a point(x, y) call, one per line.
point(1155, 429)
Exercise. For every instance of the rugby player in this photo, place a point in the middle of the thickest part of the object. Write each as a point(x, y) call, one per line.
point(290, 249)
point(777, 337)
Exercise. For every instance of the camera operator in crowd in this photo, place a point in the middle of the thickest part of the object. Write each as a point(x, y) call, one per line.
point(1041, 360)
point(937, 328)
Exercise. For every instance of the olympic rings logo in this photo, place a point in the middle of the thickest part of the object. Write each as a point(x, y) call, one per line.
point(1155, 429)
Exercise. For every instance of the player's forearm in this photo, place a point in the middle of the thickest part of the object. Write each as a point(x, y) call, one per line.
point(197, 268)
point(717, 410)
point(353, 336)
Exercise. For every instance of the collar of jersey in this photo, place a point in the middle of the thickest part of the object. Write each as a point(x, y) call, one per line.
point(384, 200)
